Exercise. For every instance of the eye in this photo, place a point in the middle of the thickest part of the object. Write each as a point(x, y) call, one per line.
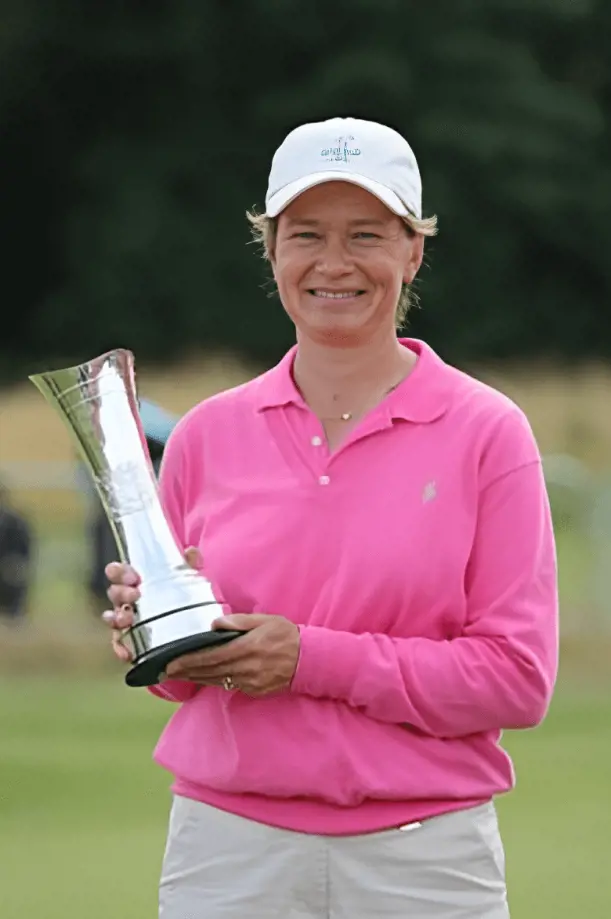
point(365, 234)
point(304, 234)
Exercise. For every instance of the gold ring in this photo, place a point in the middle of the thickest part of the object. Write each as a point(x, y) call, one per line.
point(228, 684)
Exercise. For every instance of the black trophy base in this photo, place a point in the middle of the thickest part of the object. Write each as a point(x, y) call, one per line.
point(147, 670)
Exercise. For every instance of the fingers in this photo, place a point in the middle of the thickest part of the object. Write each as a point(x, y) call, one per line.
point(123, 593)
point(119, 618)
point(193, 557)
point(212, 663)
point(118, 573)
point(124, 581)
point(120, 650)
point(119, 595)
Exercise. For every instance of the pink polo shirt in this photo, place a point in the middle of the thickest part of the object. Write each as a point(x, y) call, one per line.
point(418, 561)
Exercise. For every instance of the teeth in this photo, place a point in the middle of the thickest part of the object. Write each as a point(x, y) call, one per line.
point(342, 295)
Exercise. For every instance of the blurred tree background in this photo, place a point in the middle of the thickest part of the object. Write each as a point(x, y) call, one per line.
point(135, 135)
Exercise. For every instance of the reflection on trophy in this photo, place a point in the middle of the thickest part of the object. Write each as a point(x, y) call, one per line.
point(98, 403)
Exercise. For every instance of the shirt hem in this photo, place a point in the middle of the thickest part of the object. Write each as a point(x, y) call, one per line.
point(315, 817)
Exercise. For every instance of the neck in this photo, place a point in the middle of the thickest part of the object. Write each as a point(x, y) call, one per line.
point(343, 370)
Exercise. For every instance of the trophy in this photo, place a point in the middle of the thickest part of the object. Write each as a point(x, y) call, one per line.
point(98, 402)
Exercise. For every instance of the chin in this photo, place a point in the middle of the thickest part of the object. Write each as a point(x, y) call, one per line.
point(337, 323)
point(347, 315)
point(337, 332)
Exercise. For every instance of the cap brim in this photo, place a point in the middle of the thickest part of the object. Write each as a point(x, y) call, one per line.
point(276, 203)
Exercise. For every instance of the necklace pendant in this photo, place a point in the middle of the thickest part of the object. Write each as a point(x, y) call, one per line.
point(346, 416)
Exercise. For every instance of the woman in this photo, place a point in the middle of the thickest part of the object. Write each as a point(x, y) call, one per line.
point(377, 523)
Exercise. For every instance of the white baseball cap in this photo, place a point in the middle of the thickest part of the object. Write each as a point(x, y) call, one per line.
point(350, 150)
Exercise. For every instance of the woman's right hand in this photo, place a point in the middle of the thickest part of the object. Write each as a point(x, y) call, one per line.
point(123, 593)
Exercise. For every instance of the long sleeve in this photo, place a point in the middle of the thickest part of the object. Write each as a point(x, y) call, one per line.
point(170, 477)
point(500, 672)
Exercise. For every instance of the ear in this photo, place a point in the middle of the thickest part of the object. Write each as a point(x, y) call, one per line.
point(414, 258)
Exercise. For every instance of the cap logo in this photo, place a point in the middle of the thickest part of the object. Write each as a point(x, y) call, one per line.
point(341, 151)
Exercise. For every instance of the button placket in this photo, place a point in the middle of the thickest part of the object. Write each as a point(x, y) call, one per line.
point(320, 456)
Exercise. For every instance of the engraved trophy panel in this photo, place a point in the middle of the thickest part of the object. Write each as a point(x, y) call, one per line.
point(98, 403)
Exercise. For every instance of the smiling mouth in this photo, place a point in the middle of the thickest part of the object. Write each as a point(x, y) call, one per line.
point(335, 295)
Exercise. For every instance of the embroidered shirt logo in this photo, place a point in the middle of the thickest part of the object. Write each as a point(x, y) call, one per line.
point(341, 151)
point(429, 492)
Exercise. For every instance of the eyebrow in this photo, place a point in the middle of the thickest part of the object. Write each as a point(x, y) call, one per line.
point(360, 222)
point(292, 221)
point(370, 222)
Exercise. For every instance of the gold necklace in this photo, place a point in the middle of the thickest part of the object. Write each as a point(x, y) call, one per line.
point(348, 416)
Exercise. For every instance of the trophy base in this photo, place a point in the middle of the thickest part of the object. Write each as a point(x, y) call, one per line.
point(147, 670)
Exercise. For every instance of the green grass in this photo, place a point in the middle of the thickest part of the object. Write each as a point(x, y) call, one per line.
point(83, 808)
point(556, 823)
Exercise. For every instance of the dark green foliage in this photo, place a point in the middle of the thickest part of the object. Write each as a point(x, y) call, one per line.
point(134, 135)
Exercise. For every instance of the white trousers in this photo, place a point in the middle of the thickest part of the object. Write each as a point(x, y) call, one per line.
point(219, 866)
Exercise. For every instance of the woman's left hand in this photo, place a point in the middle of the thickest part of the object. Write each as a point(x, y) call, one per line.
point(261, 661)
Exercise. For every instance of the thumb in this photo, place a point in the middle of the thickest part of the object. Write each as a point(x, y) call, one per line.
point(241, 622)
point(193, 557)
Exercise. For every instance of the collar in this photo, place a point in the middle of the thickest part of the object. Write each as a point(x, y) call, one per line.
point(422, 397)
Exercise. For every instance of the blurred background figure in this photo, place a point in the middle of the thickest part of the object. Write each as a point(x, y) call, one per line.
point(16, 550)
point(158, 425)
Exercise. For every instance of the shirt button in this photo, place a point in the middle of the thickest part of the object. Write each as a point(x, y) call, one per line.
point(324, 480)
point(316, 441)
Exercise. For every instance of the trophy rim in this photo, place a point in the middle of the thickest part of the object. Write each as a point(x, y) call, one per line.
point(126, 352)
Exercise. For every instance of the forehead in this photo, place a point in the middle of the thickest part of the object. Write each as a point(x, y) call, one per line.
point(337, 200)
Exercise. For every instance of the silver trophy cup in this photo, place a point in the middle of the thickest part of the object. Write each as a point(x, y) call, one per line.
point(98, 403)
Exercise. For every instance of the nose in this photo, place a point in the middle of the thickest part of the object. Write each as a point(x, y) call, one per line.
point(334, 259)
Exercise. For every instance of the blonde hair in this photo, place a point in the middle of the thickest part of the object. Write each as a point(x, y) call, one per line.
point(264, 228)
